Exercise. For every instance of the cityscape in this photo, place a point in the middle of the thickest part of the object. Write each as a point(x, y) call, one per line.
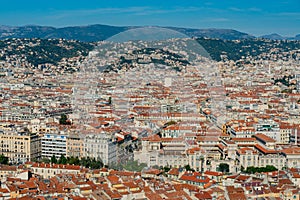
point(104, 112)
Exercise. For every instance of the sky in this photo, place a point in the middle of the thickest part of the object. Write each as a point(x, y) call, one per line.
point(256, 17)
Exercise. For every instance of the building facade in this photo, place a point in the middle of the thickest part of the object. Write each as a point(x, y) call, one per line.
point(20, 147)
point(75, 146)
point(100, 146)
point(54, 144)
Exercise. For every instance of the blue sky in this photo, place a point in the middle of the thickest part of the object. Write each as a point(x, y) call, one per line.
point(254, 17)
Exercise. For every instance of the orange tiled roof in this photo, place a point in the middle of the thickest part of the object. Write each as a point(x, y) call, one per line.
point(56, 166)
point(264, 138)
point(174, 171)
point(212, 173)
point(264, 150)
point(203, 195)
point(194, 177)
point(291, 150)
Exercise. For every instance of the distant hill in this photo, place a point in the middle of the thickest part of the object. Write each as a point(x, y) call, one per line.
point(275, 36)
point(257, 48)
point(99, 32)
point(41, 51)
point(82, 33)
point(225, 34)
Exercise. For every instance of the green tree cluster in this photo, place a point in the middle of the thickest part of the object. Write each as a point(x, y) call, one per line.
point(223, 167)
point(64, 120)
point(268, 168)
point(188, 168)
point(130, 165)
point(3, 159)
point(86, 162)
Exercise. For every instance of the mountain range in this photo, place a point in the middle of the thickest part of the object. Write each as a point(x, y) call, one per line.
point(275, 36)
point(98, 32)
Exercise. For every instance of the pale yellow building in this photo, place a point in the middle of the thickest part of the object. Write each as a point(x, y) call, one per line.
point(20, 147)
point(74, 146)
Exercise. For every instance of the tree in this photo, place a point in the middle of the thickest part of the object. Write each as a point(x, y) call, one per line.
point(188, 168)
point(62, 160)
point(268, 168)
point(224, 167)
point(166, 168)
point(73, 161)
point(242, 168)
point(251, 170)
point(133, 165)
point(109, 100)
point(45, 160)
point(53, 159)
point(3, 159)
point(96, 164)
point(64, 120)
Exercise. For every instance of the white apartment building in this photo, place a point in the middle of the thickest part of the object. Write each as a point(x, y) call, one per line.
point(292, 155)
point(100, 146)
point(270, 129)
point(270, 157)
point(285, 133)
point(54, 144)
point(260, 157)
point(241, 132)
point(158, 151)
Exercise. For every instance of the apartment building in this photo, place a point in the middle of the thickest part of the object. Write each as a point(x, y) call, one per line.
point(50, 170)
point(20, 147)
point(54, 144)
point(292, 155)
point(270, 157)
point(270, 129)
point(100, 146)
point(285, 133)
point(247, 157)
point(74, 146)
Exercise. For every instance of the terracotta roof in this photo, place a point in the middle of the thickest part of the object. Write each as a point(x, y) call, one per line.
point(151, 171)
point(56, 166)
point(152, 138)
point(194, 177)
point(174, 171)
point(113, 179)
point(264, 138)
point(178, 195)
point(193, 150)
point(245, 150)
point(264, 150)
point(244, 139)
point(8, 168)
point(212, 173)
point(237, 196)
point(203, 195)
point(291, 151)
